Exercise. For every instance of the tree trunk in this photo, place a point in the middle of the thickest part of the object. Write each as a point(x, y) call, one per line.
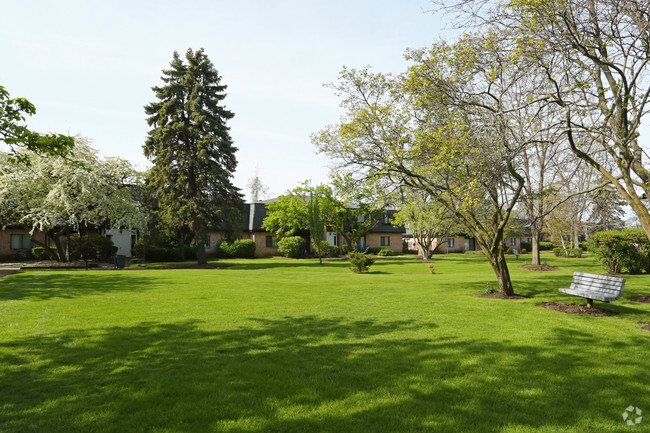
point(422, 252)
point(498, 262)
point(201, 257)
point(537, 260)
point(200, 234)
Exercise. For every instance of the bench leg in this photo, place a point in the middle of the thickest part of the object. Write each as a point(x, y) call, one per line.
point(590, 303)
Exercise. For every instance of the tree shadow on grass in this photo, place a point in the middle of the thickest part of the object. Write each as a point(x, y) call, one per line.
point(40, 285)
point(299, 374)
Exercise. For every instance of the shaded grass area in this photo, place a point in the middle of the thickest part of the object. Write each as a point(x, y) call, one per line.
point(291, 346)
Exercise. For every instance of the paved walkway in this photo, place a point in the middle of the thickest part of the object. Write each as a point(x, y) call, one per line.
point(9, 268)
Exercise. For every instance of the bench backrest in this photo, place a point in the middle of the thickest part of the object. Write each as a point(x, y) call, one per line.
point(598, 283)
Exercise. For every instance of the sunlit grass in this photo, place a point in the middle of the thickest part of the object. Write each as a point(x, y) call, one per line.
point(288, 345)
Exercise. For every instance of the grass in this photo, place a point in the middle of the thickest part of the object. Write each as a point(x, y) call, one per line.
point(276, 345)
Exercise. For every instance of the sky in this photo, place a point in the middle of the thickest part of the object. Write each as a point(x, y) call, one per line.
point(88, 67)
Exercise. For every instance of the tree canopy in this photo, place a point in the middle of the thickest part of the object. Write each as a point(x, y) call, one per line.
point(18, 137)
point(447, 127)
point(191, 149)
point(595, 57)
point(52, 195)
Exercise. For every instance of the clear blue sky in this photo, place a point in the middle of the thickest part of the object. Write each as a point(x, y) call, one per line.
point(88, 67)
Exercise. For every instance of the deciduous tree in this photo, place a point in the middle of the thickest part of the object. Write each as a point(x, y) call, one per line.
point(426, 218)
point(445, 127)
point(60, 198)
point(17, 136)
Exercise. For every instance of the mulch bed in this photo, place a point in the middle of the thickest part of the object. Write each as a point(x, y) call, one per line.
point(576, 309)
point(645, 326)
point(499, 295)
point(645, 299)
point(543, 268)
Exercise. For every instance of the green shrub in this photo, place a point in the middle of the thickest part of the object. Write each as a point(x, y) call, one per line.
point(526, 246)
point(157, 253)
point(291, 246)
point(622, 250)
point(241, 249)
point(40, 253)
point(584, 245)
point(333, 251)
point(374, 250)
point(559, 252)
point(384, 252)
point(523, 251)
point(546, 246)
point(324, 249)
point(576, 252)
point(345, 248)
point(189, 252)
point(509, 251)
point(93, 246)
point(360, 262)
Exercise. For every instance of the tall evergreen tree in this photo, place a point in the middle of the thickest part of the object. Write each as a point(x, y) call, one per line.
point(191, 149)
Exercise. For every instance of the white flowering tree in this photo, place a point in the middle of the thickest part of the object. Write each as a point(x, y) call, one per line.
point(60, 198)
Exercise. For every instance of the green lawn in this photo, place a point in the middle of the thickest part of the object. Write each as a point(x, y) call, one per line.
point(274, 345)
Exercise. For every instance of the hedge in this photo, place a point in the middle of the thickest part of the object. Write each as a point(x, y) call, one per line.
point(242, 249)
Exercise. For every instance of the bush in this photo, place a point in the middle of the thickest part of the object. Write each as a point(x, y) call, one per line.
point(575, 252)
point(324, 249)
point(526, 246)
point(40, 253)
point(241, 249)
point(622, 250)
point(330, 250)
point(189, 252)
point(93, 246)
point(374, 250)
point(360, 262)
point(384, 252)
point(345, 248)
point(509, 251)
point(143, 248)
point(291, 246)
point(584, 245)
point(546, 246)
point(333, 251)
point(523, 251)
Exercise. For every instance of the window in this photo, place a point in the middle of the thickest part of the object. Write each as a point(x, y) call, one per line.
point(450, 242)
point(20, 242)
point(386, 219)
point(271, 241)
point(385, 241)
point(513, 242)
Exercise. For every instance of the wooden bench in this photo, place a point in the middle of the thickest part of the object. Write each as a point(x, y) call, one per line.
point(596, 287)
point(516, 253)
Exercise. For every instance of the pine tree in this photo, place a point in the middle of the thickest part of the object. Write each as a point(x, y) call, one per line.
point(191, 149)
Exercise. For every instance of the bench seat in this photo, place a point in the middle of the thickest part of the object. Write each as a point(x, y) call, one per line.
point(598, 287)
